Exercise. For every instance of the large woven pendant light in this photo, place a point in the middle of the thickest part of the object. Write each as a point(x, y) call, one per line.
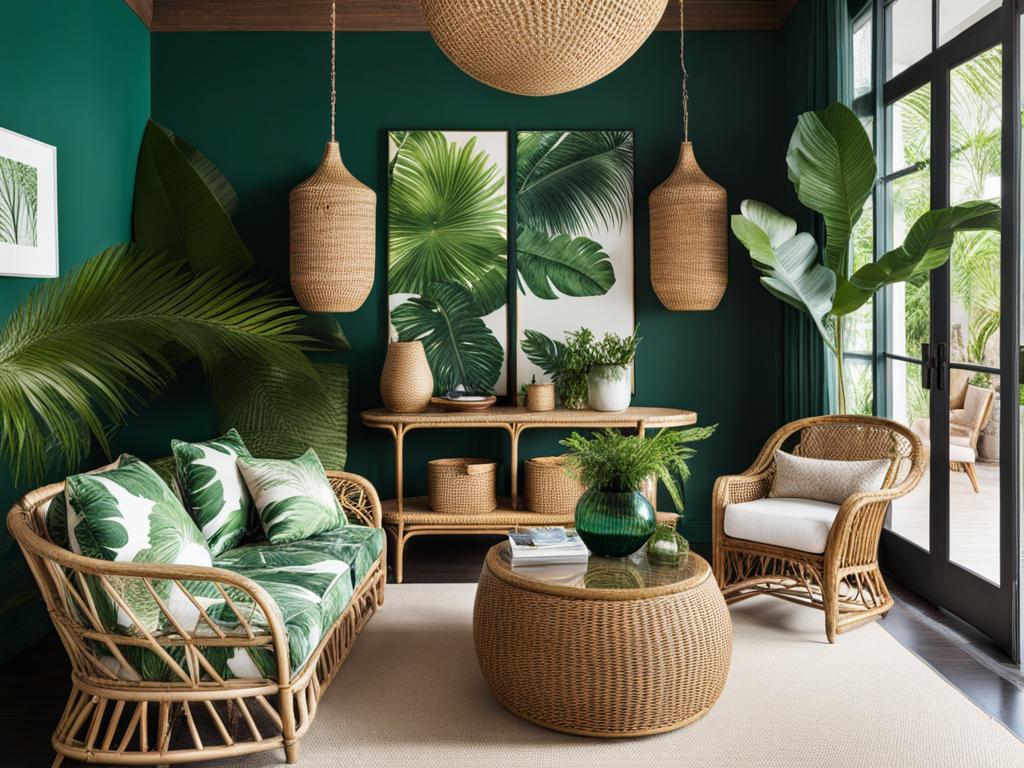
point(689, 227)
point(333, 229)
point(540, 47)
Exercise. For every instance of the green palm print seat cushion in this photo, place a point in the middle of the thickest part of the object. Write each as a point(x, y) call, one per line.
point(213, 489)
point(293, 497)
point(128, 514)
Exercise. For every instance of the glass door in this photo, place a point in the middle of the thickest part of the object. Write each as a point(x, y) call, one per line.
point(949, 343)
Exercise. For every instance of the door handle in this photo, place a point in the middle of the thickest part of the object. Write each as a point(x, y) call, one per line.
point(941, 367)
point(926, 366)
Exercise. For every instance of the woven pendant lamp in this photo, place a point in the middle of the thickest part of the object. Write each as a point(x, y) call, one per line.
point(333, 230)
point(689, 226)
point(540, 47)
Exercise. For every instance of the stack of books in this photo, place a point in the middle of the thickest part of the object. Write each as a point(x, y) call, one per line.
point(546, 546)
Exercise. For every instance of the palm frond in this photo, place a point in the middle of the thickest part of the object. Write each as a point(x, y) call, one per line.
point(570, 182)
point(89, 348)
point(280, 417)
point(446, 215)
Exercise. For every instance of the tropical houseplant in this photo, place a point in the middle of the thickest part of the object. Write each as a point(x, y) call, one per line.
point(832, 166)
point(613, 517)
point(609, 383)
point(85, 351)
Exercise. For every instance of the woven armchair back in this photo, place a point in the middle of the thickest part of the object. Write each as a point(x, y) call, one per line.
point(849, 438)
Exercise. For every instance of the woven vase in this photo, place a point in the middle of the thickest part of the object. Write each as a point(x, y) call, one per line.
point(406, 383)
point(333, 233)
point(689, 237)
point(540, 47)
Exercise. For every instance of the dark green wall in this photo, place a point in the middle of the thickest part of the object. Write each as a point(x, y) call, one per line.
point(75, 75)
point(257, 105)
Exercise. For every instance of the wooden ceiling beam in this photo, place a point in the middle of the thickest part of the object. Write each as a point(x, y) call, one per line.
point(405, 16)
point(143, 9)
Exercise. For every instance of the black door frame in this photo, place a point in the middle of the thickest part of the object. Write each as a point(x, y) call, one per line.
point(994, 610)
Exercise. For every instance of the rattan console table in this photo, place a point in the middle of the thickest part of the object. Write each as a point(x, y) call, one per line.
point(405, 518)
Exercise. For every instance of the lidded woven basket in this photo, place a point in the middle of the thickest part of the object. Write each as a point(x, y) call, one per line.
point(333, 236)
point(540, 47)
point(549, 488)
point(462, 486)
point(689, 237)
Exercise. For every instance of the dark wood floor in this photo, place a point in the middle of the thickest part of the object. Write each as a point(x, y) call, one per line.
point(36, 682)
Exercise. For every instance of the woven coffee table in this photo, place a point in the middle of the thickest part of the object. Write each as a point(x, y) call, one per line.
point(612, 648)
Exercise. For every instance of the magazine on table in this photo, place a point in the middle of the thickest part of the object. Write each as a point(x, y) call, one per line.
point(548, 545)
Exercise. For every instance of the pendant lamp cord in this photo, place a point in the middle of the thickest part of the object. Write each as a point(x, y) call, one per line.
point(334, 95)
point(682, 67)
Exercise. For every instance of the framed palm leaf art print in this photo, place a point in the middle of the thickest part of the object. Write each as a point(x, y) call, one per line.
point(573, 240)
point(28, 207)
point(448, 253)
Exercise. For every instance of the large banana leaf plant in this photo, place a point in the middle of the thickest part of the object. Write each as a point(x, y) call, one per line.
point(832, 166)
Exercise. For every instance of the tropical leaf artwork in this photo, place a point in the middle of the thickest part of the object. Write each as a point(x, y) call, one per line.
point(574, 240)
point(448, 252)
point(19, 202)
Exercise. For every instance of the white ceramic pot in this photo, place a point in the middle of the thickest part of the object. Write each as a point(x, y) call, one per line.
point(608, 387)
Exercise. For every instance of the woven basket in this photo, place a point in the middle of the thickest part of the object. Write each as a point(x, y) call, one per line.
point(540, 397)
point(549, 489)
point(540, 47)
point(689, 238)
point(333, 232)
point(462, 486)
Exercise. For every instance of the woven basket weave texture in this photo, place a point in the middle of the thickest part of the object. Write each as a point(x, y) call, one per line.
point(406, 383)
point(689, 238)
point(333, 235)
point(549, 489)
point(540, 47)
point(462, 486)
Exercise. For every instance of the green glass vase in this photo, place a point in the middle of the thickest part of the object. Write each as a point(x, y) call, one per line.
point(614, 524)
point(667, 546)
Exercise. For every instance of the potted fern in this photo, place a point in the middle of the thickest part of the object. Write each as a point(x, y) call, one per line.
point(613, 517)
point(608, 380)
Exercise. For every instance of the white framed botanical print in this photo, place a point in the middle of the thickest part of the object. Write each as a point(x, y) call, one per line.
point(28, 207)
point(573, 241)
point(448, 253)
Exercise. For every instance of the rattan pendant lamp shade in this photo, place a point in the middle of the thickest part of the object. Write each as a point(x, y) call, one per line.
point(689, 227)
point(333, 230)
point(540, 47)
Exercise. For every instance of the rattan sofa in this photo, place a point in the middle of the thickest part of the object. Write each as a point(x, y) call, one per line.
point(198, 714)
point(843, 580)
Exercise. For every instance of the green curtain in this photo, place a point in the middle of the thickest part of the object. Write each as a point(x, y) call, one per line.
point(809, 368)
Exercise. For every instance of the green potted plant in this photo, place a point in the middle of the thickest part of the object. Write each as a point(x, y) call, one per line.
point(832, 166)
point(609, 384)
point(612, 517)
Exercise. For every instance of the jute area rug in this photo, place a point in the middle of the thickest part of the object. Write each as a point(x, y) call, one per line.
point(411, 696)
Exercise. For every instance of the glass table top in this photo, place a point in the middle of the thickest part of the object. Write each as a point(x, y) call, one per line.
point(633, 572)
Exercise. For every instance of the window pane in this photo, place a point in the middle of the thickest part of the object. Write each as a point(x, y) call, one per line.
point(860, 390)
point(974, 472)
point(909, 405)
point(862, 57)
point(911, 33)
point(909, 196)
point(859, 326)
point(975, 174)
point(910, 121)
point(957, 15)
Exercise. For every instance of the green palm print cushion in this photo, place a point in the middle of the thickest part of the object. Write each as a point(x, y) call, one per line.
point(128, 514)
point(213, 489)
point(293, 497)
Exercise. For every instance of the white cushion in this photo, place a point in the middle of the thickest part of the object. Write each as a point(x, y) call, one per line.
point(959, 445)
point(793, 523)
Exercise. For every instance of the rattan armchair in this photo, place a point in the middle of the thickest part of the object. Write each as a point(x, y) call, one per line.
point(845, 580)
point(197, 714)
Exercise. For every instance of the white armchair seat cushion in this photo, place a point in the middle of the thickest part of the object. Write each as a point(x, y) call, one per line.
point(801, 524)
point(959, 445)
